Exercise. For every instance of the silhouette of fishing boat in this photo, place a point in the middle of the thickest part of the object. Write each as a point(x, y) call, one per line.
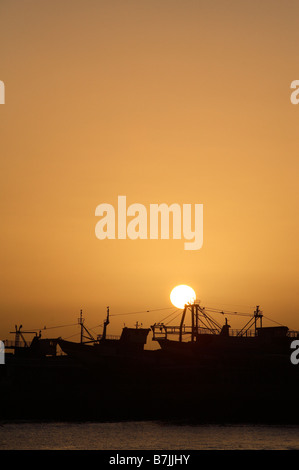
point(205, 336)
point(199, 361)
point(202, 337)
point(130, 343)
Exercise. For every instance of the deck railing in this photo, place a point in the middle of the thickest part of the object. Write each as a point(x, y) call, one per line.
point(293, 334)
point(161, 331)
point(10, 344)
point(109, 337)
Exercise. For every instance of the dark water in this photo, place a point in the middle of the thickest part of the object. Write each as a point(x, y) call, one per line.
point(146, 436)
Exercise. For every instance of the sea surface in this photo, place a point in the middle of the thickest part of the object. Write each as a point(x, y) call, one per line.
point(150, 435)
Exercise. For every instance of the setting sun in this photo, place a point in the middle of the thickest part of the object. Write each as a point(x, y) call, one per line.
point(182, 295)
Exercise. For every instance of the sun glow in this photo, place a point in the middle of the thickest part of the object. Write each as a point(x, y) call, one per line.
point(182, 295)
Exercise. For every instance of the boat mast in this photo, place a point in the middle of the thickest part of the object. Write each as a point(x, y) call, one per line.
point(83, 328)
point(253, 321)
point(18, 333)
point(196, 312)
point(257, 314)
point(106, 323)
point(81, 321)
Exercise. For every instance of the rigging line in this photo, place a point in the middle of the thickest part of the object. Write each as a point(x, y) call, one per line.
point(227, 312)
point(52, 327)
point(87, 330)
point(270, 319)
point(236, 305)
point(97, 326)
point(76, 334)
point(172, 313)
point(212, 324)
point(94, 327)
point(208, 325)
point(173, 318)
point(59, 326)
point(209, 319)
point(141, 311)
point(129, 313)
point(119, 314)
point(134, 313)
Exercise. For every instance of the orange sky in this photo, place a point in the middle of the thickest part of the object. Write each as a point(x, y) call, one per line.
point(162, 101)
